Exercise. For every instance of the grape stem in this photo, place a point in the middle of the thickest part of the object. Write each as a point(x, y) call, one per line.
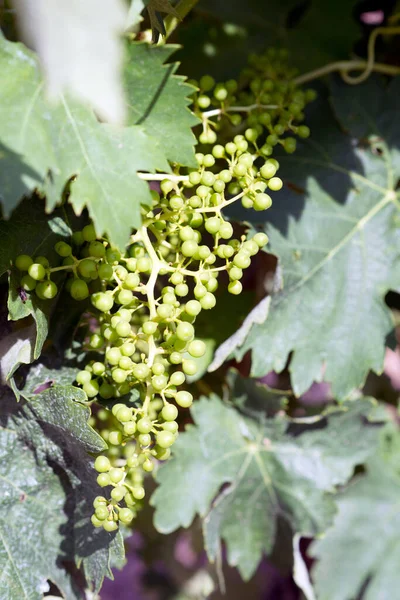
point(161, 176)
point(220, 111)
point(222, 205)
point(343, 67)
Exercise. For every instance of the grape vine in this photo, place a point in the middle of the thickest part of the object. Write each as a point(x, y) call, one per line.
point(145, 298)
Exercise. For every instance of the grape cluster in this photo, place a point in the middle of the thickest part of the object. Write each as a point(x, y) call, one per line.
point(147, 296)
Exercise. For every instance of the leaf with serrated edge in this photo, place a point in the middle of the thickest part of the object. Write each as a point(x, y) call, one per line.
point(270, 473)
point(338, 259)
point(363, 545)
point(158, 101)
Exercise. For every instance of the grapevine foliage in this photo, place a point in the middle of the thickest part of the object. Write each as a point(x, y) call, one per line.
point(243, 216)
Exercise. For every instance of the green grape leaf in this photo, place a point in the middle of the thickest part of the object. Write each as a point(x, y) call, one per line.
point(158, 101)
point(363, 544)
point(338, 249)
point(47, 486)
point(26, 151)
point(257, 471)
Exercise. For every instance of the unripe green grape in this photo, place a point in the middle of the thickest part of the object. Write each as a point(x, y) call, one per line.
point(110, 526)
point(125, 297)
point(193, 307)
point(23, 262)
point(127, 349)
point(208, 137)
point(97, 249)
point(275, 184)
point(125, 515)
point(261, 239)
point(176, 202)
point(91, 388)
point(208, 301)
point(131, 281)
point(165, 311)
point(158, 368)
point(169, 412)
point(144, 439)
point(251, 246)
point(119, 375)
point(118, 493)
point(96, 522)
point(208, 178)
point(162, 453)
point(175, 358)
point(103, 479)
point(101, 513)
point(247, 202)
point(262, 202)
point(79, 290)
point(126, 363)
point(235, 287)
point(206, 83)
point(42, 260)
point(87, 268)
point(166, 186)
point(149, 327)
point(212, 284)
point(246, 159)
point(105, 271)
point(183, 399)
point(230, 148)
point(218, 151)
point(212, 225)
point(203, 101)
point(268, 170)
point(251, 134)
point(99, 501)
point(239, 170)
point(63, 249)
point(138, 492)
point(242, 260)
point(89, 233)
point(196, 348)
point(144, 425)
point(303, 131)
point(171, 426)
point(110, 334)
point(148, 466)
point(123, 414)
point(159, 382)
point(204, 252)
point(102, 464)
point(194, 178)
point(226, 230)
point(290, 144)
point(220, 92)
point(169, 298)
point(123, 328)
point(115, 438)
point(219, 186)
point(165, 439)
point(28, 283)
point(189, 248)
point(83, 377)
point(144, 264)
point(37, 271)
point(113, 356)
point(272, 139)
point(225, 175)
point(116, 475)
point(181, 290)
point(106, 391)
point(129, 428)
point(185, 331)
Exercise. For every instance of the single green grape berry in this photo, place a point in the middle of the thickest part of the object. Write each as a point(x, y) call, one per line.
point(175, 358)
point(106, 391)
point(37, 271)
point(129, 428)
point(261, 239)
point(171, 426)
point(165, 439)
point(144, 425)
point(101, 513)
point(149, 327)
point(247, 202)
point(63, 249)
point(240, 170)
point(275, 184)
point(183, 399)
point(98, 368)
point(177, 378)
point(27, 283)
point(181, 290)
point(127, 349)
point(242, 260)
point(89, 233)
point(126, 363)
point(144, 439)
point(96, 522)
point(123, 328)
point(105, 271)
point(87, 268)
point(194, 178)
point(103, 479)
point(102, 301)
point(189, 248)
point(220, 92)
point(303, 131)
point(158, 368)
point(159, 382)
point(193, 307)
point(124, 414)
point(235, 287)
point(113, 256)
point(196, 348)
point(290, 144)
point(213, 225)
point(148, 466)
point(268, 170)
point(125, 297)
point(116, 475)
point(110, 526)
point(102, 464)
point(113, 356)
point(176, 203)
point(235, 273)
point(118, 493)
point(91, 388)
point(251, 134)
point(165, 311)
point(262, 202)
point(125, 515)
point(176, 278)
point(79, 289)
point(251, 247)
point(83, 377)
point(97, 249)
point(77, 238)
point(138, 492)
point(144, 264)
point(99, 501)
point(46, 290)
point(185, 331)
point(116, 408)
point(206, 83)
point(23, 262)
point(115, 438)
point(166, 186)
point(226, 230)
point(218, 151)
point(42, 260)
point(119, 375)
point(208, 301)
point(169, 412)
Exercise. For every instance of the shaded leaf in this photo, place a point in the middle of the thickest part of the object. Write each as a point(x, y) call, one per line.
point(363, 545)
point(269, 468)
